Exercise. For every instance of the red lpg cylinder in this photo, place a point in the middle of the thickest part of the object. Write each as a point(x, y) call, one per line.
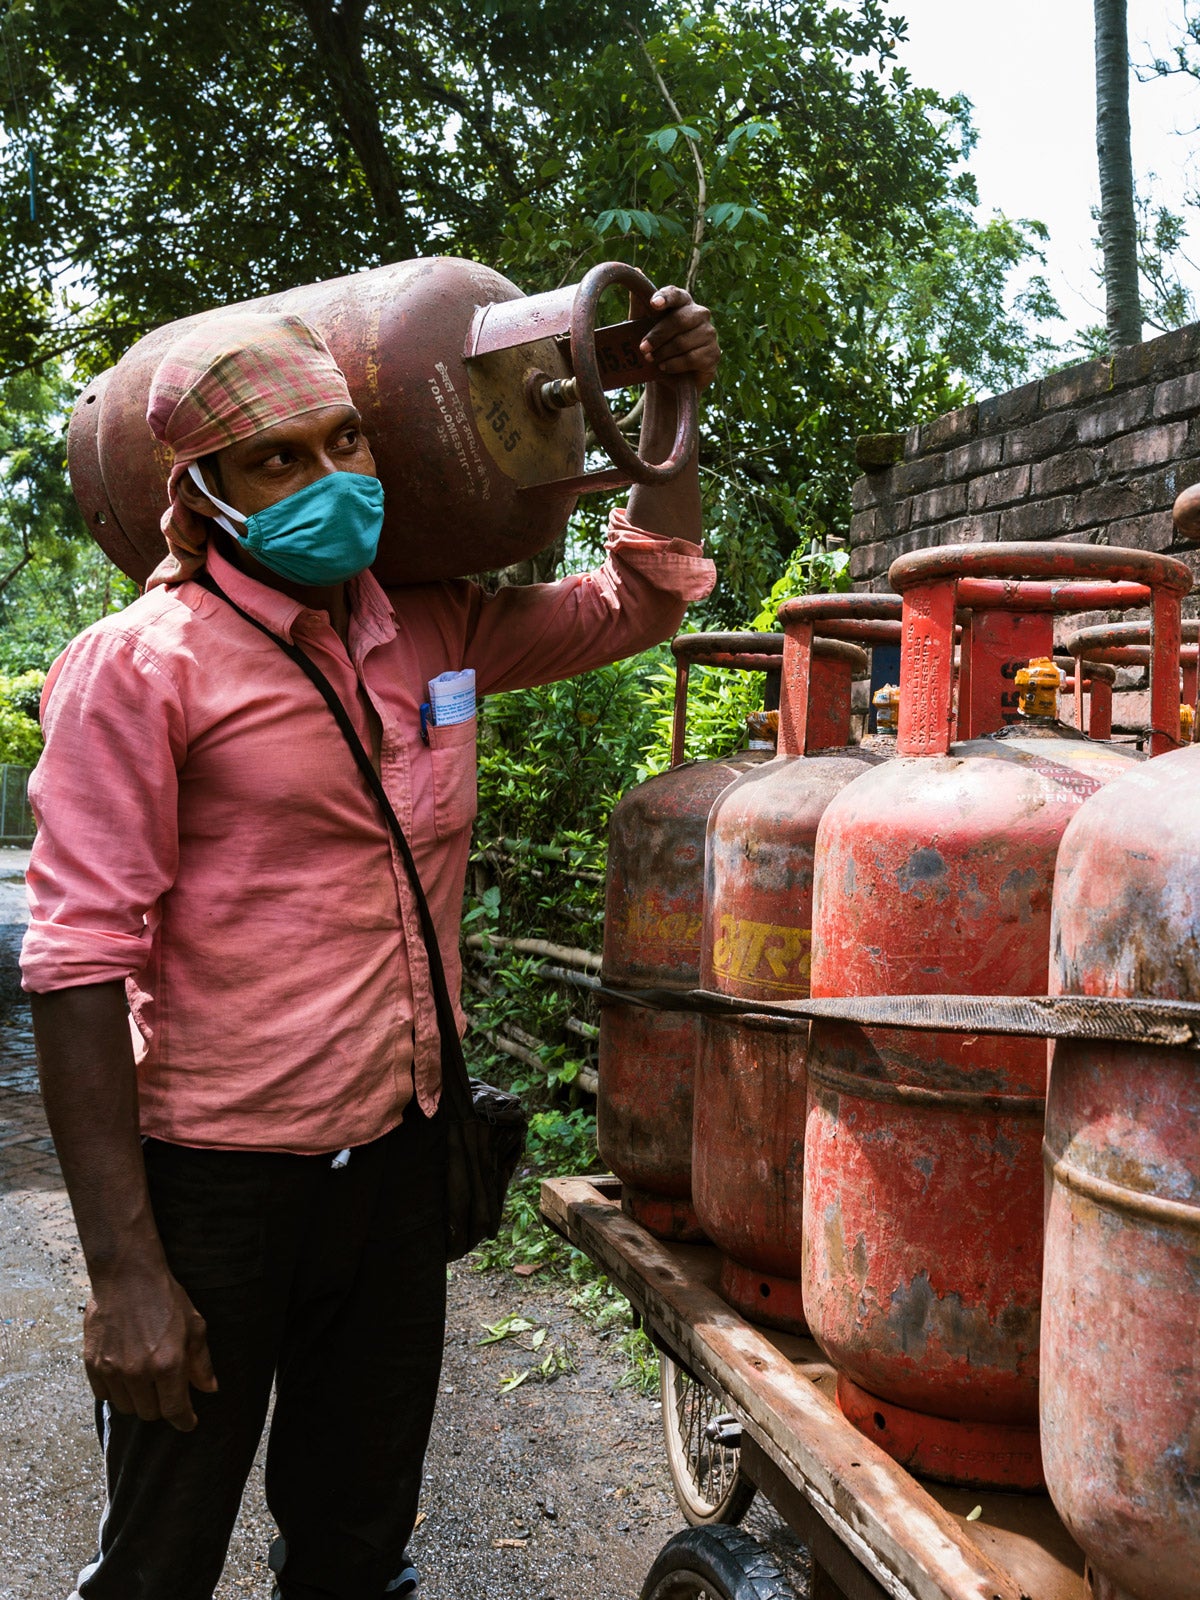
point(923, 1185)
point(748, 1140)
point(474, 398)
point(1127, 644)
point(1121, 1301)
point(652, 941)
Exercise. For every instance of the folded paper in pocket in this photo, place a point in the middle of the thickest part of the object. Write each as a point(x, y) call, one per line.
point(452, 697)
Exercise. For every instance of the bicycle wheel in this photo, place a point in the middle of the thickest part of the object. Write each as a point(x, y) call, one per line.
point(702, 1449)
point(715, 1563)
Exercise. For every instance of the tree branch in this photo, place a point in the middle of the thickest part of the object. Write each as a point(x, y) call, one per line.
point(698, 225)
point(477, 117)
point(338, 34)
point(15, 572)
point(1118, 223)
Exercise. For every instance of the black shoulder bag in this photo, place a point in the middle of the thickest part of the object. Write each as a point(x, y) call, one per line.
point(485, 1126)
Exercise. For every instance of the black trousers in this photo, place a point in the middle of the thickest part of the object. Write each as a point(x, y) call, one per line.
point(331, 1284)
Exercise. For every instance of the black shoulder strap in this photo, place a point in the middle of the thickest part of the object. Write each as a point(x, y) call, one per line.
point(454, 1067)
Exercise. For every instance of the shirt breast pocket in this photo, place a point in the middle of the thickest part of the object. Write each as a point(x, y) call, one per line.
point(455, 779)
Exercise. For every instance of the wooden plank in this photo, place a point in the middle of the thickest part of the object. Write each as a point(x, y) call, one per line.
point(1023, 1535)
point(850, 1578)
point(911, 1547)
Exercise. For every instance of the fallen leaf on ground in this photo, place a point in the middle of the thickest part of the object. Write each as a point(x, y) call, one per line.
point(526, 1269)
point(507, 1328)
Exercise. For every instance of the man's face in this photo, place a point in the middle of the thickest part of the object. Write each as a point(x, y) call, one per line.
point(269, 466)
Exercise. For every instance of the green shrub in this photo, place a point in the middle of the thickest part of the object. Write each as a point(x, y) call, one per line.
point(20, 735)
point(553, 762)
point(719, 701)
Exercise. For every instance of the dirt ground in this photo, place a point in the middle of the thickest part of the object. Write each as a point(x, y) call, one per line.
point(553, 1491)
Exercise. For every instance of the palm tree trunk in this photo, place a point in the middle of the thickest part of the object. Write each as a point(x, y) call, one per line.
point(1118, 227)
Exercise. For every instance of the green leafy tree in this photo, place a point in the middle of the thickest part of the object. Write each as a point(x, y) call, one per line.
point(20, 735)
point(53, 579)
point(771, 155)
point(775, 156)
point(196, 152)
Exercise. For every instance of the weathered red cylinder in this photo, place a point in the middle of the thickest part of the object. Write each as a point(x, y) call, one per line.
point(652, 923)
point(474, 398)
point(748, 1138)
point(1121, 1320)
point(923, 1186)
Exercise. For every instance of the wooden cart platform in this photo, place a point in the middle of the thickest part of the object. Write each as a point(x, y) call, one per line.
point(874, 1528)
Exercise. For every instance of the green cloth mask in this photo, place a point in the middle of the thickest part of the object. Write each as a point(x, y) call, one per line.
point(323, 534)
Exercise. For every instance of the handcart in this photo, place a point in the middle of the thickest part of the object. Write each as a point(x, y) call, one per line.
point(748, 1408)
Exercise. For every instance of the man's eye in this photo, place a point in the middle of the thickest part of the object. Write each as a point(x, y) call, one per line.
point(349, 439)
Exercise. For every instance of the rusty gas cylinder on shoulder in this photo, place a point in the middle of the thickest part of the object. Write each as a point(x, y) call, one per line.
point(923, 1185)
point(652, 921)
point(747, 1147)
point(474, 398)
point(1120, 1365)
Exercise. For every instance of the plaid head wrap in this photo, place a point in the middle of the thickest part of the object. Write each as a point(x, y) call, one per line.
point(224, 379)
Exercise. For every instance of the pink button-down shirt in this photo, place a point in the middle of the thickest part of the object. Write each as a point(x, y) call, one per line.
point(205, 835)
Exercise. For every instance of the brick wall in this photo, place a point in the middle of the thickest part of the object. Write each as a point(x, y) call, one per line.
point(1096, 453)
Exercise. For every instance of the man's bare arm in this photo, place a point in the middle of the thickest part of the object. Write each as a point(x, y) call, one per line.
point(143, 1340)
point(684, 344)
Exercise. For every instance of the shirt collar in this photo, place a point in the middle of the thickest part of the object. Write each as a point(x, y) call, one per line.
point(371, 611)
point(372, 620)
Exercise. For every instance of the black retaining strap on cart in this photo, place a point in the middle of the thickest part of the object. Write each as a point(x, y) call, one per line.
point(1174, 1024)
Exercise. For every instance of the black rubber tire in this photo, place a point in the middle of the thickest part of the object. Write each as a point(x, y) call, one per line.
point(718, 1563)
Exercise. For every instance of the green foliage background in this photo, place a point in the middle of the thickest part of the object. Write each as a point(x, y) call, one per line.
point(156, 159)
point(20, 736)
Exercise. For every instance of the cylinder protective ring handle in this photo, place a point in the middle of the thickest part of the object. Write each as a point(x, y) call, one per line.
point(1017, 560)
point(1090, 671)
point(586, 366)
point(738, 652)
point(1116, 635)
point(860, 630)
point(926, 673)
point(694, 647)
point(817, 608)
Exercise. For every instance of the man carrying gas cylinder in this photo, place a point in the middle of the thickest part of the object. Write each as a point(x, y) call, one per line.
point(239, 1044)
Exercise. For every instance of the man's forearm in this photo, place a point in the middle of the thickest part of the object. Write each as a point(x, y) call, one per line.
point(672, 509)
point(89, 1086)
point(144, 1342)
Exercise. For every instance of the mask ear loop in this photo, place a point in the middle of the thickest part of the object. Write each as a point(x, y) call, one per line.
point(197, 478)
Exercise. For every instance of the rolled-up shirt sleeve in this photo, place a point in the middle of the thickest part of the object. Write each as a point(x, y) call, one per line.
point(523, 636)
point(105, 797)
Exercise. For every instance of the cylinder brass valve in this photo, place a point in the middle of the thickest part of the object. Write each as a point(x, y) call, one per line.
point(1038, 686)
point(887, 708)
point(1187, 724)
point(762, 728)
